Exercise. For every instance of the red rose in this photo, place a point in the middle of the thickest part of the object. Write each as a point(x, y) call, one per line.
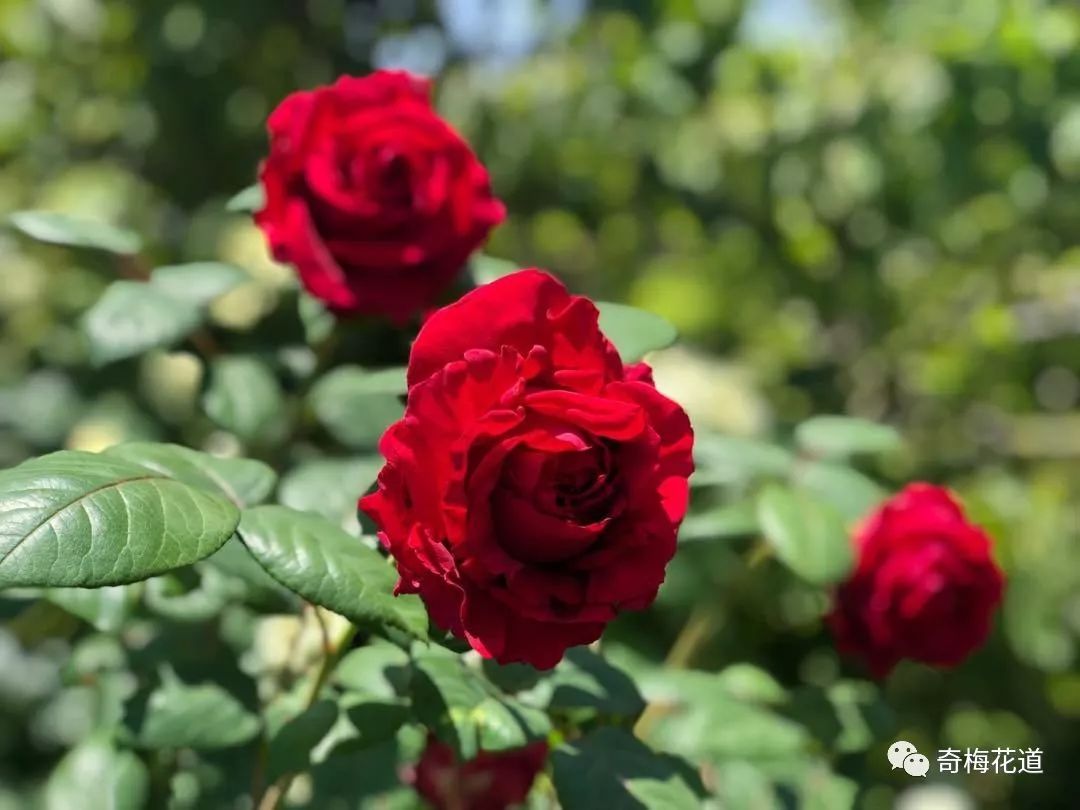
point(491, 781)
point(535, 485)
point(925, 586)
point(371, 195)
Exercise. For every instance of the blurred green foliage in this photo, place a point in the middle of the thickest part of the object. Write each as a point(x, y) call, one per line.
point(876, 217)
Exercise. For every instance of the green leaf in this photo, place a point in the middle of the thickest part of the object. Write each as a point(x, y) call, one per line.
point(380, 669)
point(729, 520)
point(328, 567)
point(245, 397)
point(733, 460)
point(752, 684)
point(486, 269)
point(247, 200)
point(714, 726)
point(585, 680)
point(375, 720)
point(850, 492)
point(356, 406)
point(106, 609)
point(317, 320)
point(235, 562)
point(166, 596)
point(133, 317)
point(610, 768)
point(841, 436)
point(203, 717)
point(807, 535)
point(330, 487)
point(634, 332)
point(74, 519)
point(61, 229)
point(243, 481)
point(95, 776)
point(294, 736)
point(466, 712)
point(197, 283)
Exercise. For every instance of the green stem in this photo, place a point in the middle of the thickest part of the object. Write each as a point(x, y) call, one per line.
point(333, 649)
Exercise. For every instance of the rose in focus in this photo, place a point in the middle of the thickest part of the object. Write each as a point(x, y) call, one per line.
point(490, 781)
point(925, 586)
point(372, 196)
point(535, 485)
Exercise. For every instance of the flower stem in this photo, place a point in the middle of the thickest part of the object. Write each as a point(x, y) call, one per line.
point(333, 649)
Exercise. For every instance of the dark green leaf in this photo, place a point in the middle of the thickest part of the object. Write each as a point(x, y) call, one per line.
point(247, 200)
point(465, 711)
point(197, 283)
point(584, 680)
point(328, 567)
point(355, 406)
point(245, 397)
point(243, 481)
point(235, 561)
point(611, 769)
point(379, 669)
point(807, 535)
point(375, 720)
point(61, 229)
point(95, 776)
point(204, 717)
point(292, 738)
point(634, 332)
point(840, 436)
point(133, 317)
point(78, 519)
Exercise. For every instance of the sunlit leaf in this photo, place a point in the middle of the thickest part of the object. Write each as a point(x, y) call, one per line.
point(807, 535)
point(839, 436)
point(61, 229)
point(133, 317)
point(96, 776)
point(634, 332)
point(245, 398)
point(197, 283)
point(466, 712)
point(326, 566)
point(202, 716)
point(80, 519)
point(245, 482)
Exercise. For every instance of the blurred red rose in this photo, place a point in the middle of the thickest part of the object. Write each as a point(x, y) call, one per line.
point(371, 195)
point(491, 781)
point(925, 586)
point(535, 485)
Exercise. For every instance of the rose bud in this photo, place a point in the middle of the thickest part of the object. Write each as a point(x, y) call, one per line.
point(925, 586)
point(535, 485)
point(372, 196)
point(490, 781)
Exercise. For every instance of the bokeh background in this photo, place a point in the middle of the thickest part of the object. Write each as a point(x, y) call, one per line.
point(866, 207)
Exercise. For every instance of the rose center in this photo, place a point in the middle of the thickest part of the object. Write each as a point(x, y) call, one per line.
point(551, 506)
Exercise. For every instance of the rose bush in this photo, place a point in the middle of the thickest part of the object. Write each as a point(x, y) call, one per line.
point(371, 195)
point(925, 586)
point(535, 485)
